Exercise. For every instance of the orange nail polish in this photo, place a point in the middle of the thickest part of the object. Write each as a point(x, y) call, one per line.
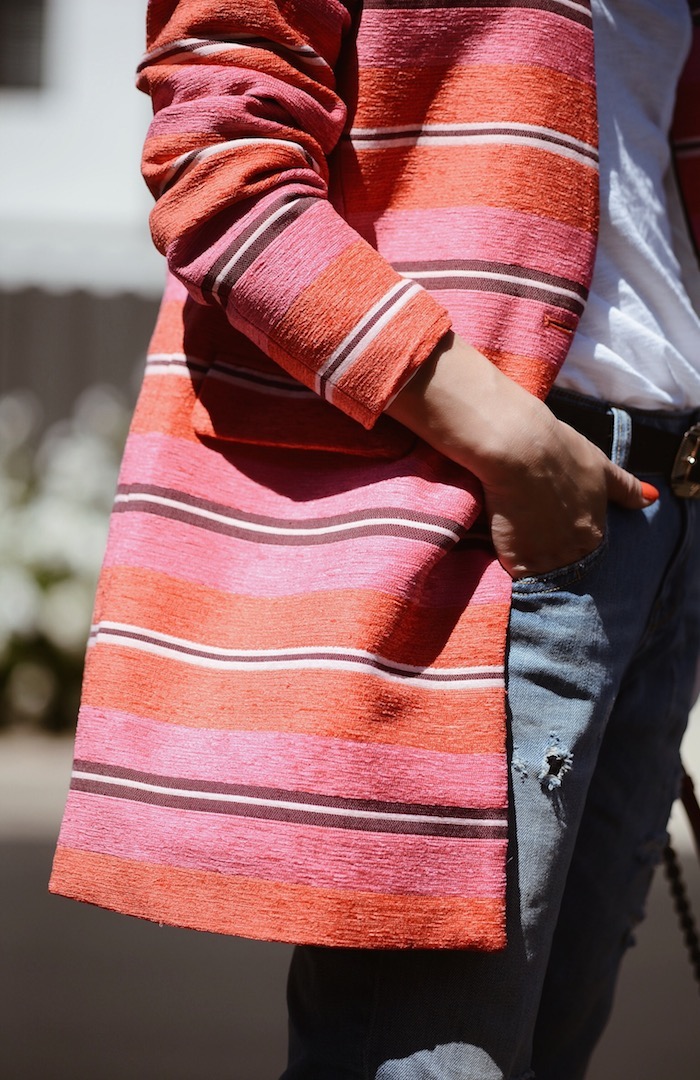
point(649, 492)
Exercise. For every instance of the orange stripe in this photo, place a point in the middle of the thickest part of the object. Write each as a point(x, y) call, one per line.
point(535, 374)
point(165, 406)
point(251, 908)
point(512, 177)
point(207, 18)
point(338, 704)
point(405, 336)
point(341, 311)
point(169, 331)
point(166, 402)
point(217, 182)
point(344, 617)
point(476, 93)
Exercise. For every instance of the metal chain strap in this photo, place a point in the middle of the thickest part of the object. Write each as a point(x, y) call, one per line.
point(682, 906)
point(679, 892)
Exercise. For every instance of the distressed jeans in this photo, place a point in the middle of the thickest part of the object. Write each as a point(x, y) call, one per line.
point(601, 671)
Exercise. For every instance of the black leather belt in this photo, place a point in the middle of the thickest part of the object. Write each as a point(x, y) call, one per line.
point(652, 450)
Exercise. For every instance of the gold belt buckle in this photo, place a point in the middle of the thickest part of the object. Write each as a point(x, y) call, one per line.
point(685, 475)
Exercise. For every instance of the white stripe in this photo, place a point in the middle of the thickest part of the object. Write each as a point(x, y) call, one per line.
point(251, 240)
point(302, 659)
point(277, 530)
point(357, 328)
point(194, 158)
point(175, 363)
point(304, 52)
point(369, 336)
point(575, 7)
point(480, 140)
point(260, 387)
point(300, 650)
point(493, 276)
point(282, 804)
point(220, 148)
point(477, 127)
point(211, 46)
point(365, 336)
point(186, 45)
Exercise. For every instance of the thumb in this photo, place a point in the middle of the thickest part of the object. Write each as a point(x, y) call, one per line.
point(626, 490)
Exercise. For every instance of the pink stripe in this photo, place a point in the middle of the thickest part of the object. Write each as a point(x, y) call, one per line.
point(303, 261)
point(228, 103)
point(299, 762)
point(175, 291)
point(424, 481)
point(485, 232)
point(474, 36)
point(518, 324)
point(279, 851)
point(193, 263)
point(305, 249)
point(381, 563)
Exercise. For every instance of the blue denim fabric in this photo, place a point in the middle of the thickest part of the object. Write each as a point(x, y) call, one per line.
point(601, 668)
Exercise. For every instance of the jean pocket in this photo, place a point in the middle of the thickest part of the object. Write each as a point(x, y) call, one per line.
point(564, 576)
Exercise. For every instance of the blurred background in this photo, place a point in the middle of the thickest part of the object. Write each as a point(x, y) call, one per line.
point(86, 994)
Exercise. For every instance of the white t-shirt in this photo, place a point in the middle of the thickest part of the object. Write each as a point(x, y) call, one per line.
point(638, 341)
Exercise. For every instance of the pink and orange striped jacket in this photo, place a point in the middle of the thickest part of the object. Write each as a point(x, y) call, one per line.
point(293, 720)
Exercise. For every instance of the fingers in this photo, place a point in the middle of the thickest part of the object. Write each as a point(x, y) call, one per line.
point(650, 493)
point(626, 490)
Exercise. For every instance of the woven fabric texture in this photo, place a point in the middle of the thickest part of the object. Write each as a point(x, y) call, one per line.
point(293, 721)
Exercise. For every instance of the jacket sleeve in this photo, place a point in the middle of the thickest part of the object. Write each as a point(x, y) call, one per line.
point(246, 114)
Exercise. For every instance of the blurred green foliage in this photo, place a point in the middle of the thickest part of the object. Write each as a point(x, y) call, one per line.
point(56, 490)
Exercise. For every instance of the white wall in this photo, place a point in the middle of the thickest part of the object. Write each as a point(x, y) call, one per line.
point(73, 207)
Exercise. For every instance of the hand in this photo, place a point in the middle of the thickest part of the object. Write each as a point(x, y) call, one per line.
point(546, 487)
point(546, 500)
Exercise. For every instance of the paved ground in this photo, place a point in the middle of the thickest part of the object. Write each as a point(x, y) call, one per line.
point(89, 995)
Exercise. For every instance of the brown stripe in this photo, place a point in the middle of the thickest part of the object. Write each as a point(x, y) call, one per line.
point(261, 379)
point(217, 267)
point(295, 210)
point(505, 288)
point(204, 787)
point(688, 146)
point(269, 235)
point(249, 657)
point(405, 532)
point(472, 831)
point(286, 52)
point(538, 5)
point(409, 516)
point(251, 42)
point(175, 176)
point(512, 132)
point(363, 328)
point(502, 269)
point(174, 49)
point(287, 795)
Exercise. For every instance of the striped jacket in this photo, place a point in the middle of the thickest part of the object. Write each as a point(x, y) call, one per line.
point(293, 720)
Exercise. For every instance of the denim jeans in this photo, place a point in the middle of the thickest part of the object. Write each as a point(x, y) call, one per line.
point(601, 672)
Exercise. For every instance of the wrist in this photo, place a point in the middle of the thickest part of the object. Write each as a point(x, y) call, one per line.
point(462, 405)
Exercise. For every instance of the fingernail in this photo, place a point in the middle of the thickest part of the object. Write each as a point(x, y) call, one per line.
point(649, 493)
